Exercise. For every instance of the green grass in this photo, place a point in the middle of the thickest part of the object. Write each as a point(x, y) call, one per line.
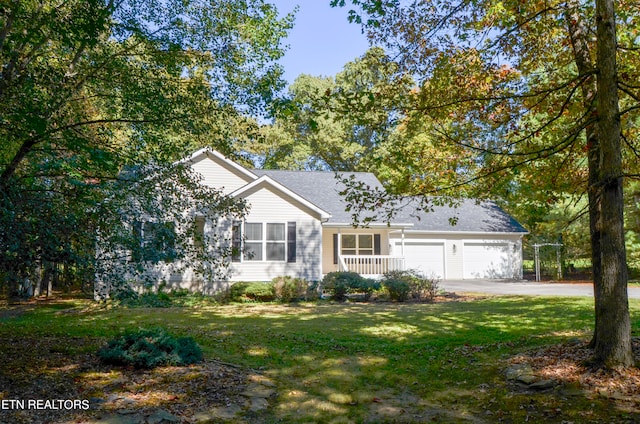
point(364, 362)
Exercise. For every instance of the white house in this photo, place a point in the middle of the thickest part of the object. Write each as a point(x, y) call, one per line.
point(297, 225)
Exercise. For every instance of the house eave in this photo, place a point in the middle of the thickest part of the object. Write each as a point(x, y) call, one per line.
point(394, 226)
point(476, 233)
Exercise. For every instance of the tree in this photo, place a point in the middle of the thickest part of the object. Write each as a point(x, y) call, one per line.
point(536, 87)
point(90, 89)
point(336, 123)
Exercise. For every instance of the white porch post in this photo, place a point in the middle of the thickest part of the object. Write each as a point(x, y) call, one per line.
point(402, 245)
point(339, 250)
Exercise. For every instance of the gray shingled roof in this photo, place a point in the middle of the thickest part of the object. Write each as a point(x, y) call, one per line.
point(322, 189)
point(469, 215)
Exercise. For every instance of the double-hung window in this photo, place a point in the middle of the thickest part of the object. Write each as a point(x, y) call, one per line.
point(265, 241)
point(253, 243)
point(276, 242)
point(155, 241)
point(357, 244)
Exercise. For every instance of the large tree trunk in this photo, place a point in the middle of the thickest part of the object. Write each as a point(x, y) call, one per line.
point(612, 345)
point(579, 35)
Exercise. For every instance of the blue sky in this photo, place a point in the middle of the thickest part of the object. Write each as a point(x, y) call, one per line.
point(321, 41)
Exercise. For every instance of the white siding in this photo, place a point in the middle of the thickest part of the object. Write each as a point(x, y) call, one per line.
point(268, 205)
point(218, 174)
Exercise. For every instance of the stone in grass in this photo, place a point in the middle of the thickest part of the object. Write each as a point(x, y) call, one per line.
point(543, 385)
point(226, 413)
point(526, 379)
point(162, 416)
point(257, 404)
point(258, 390)
point(517, 371)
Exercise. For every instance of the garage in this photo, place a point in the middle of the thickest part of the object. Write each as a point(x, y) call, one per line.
point(424, 256)
point(487, 260)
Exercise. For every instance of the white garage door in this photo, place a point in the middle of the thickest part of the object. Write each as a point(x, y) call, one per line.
point(486, 260)
point(426, 257)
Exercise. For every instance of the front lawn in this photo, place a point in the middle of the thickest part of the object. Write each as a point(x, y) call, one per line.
point(329, 362)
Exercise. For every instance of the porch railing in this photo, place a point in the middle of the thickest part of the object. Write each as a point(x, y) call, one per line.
point(371, 265)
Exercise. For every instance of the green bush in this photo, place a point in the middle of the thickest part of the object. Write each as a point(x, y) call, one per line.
point(398, 289)
point(401, 285)
point(252, 292)
point(122, 292)
point(289, 289)
point(424, 288)
point(342, 283)
point(367, 287)
point(150, 348)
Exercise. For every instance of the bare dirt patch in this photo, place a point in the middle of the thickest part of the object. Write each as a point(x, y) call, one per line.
point(53, 368)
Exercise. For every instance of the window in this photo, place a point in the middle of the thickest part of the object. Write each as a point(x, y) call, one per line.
point(264, 241)
point(357, 244)
point(253, 242)
point(198, 232)
point(155, 241)
point(276, 242)
point(236, 241)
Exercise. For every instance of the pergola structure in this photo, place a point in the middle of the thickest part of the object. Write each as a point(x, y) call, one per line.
point(537, 247)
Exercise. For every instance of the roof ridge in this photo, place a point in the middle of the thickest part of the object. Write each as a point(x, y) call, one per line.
point(312, 172)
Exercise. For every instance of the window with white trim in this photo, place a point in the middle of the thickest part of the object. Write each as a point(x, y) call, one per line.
point(276, 242)
point(265, 241)
point(357, 244)
point(253, 241)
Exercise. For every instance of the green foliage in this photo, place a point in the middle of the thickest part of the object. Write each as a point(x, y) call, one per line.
point(397, 288)
point(367, 287)
point(342, 283)
point(127, 297)
point(403, 285)
point(149, 349)
point(424, 288)
point(290, 289)
point(339, 284)
point(133, 86)
point(336, 123)
point(252, 292)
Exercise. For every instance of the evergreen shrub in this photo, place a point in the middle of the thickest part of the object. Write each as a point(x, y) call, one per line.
point(150, 348)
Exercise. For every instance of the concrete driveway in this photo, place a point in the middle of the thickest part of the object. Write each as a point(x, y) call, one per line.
point(524, 288)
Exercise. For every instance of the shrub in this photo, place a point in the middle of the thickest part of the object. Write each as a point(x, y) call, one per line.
point(341, 283)
point(424, 288)
point(367, 287)
point(290, 289)
point(150, 348)
point(122, 292)
point(397, 288)
point(154, 300)
point(404, 284)
point(252, 292)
